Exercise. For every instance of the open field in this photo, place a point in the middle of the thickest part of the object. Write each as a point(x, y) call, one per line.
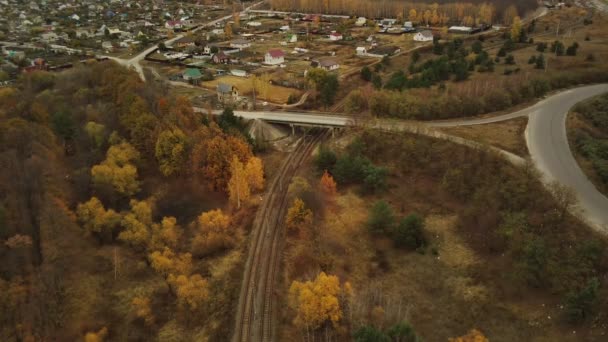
point(507, 135)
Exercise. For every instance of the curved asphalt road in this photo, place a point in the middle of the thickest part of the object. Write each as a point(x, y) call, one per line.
point(548, 145)
point(550, 151)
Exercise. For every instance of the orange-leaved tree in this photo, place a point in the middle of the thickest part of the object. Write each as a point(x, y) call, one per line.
point(328, 184)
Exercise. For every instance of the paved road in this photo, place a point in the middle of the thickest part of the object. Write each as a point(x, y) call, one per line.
point(548, 146)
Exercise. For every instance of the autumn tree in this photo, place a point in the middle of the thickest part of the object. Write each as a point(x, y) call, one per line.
point(328, 185)
point(299, 218)
point(165, 234)
point(143, 310)
point(213, 153)
point(98, 336)
point(473, 335)
point(167, 262)
point(213, 233)
point(97, 220)
point(228, 31)
point(171, 151)
point(254, 171)
point(238, 186)
point(191, 291)
point(413, 15)
point(137, 225)
point(118, 170)
point(516, 29)
point(316, 302)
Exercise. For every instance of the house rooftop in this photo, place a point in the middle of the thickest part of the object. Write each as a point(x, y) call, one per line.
point(193, 73)
point(276, 53)
point(224, 88)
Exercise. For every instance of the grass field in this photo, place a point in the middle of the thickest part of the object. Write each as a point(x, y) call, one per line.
point(507, 135)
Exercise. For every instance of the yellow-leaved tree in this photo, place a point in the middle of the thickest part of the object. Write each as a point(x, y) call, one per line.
point(191, 292)
point(299, 218)
point(167, 262)
point(97, 220)
point(171, 151)
point(473, 335)
point(165, 234)
point(137, 225)
point(213, 233)
point(98, 336)
point(516, 29)
point(118, 170)
point(254, 169)
point(143, 309)
point(238, 186)
point(316, 302)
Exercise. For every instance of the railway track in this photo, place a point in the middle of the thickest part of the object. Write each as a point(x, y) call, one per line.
point(255, 313)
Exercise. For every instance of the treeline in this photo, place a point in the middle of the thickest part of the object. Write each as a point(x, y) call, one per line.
point(470, 98)
point(507, 211)
point(476, 11)
point(94, 160)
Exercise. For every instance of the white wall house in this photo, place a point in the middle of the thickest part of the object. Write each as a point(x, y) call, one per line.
point(274, 57)
point(423, 36)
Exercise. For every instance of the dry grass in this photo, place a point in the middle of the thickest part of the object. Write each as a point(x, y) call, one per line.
point(507, 135)
point(576, 123)
point(275, 94)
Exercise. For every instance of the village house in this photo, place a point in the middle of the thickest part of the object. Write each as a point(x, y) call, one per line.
point(361, 21)
point(328, 64)
point(291, 38)
point(173, 25)
point(335, 36)
point(424, 36)
point(240, 44)
point(220, 58)
point(361, 51)
point(274, 57)
point(192, 75)
point(227, 93)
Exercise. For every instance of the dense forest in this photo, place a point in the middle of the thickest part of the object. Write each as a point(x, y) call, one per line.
point(118, 213)
point(454, 10)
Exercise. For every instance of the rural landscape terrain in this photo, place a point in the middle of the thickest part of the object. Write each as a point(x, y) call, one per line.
point(303, 170)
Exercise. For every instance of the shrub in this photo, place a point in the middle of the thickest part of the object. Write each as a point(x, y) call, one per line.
point(381, 218)
point(409, 232)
